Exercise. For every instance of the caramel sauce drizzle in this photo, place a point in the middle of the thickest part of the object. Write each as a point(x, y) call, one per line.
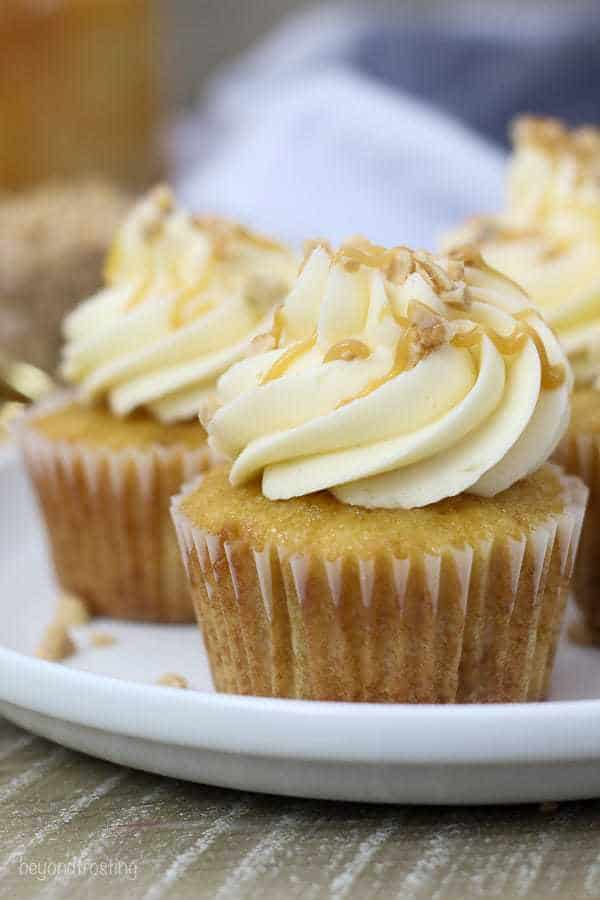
point(553, 375)
point(178, 317)
point(293, 353)
point(278, 324)
point(401, 364)
point(347, 350)
point(140, 295)
point(507, 345)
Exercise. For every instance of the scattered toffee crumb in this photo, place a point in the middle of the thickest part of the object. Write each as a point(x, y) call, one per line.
point(56, 643)
point(71, 611)
point(172, 679)
point(102, 639)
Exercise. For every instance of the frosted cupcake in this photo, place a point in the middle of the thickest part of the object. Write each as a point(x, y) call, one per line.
point(549, 242)
point(183, 299)
point(388, 529)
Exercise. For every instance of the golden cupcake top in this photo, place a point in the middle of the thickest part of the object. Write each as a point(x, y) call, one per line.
point(548, 239)
point(184, 295)
point(394, 378)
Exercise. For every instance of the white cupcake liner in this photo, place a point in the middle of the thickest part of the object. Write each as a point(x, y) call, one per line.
point(579, 454)
point(107, 518)
point(475, 623)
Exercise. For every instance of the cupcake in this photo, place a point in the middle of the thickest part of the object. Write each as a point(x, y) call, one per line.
point(388, 529)
point(183, 299)
point(548, 240)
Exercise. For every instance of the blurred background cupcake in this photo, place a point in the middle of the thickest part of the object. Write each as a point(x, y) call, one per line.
point(183, 299)
point(548, 240)
point(388, 530)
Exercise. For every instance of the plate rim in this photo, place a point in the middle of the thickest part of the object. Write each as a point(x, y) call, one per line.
point(552, 731)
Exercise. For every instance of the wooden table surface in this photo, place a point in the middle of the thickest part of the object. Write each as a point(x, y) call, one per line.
point(72, 826)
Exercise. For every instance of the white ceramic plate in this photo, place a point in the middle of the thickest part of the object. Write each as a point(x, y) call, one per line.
point(104, 702)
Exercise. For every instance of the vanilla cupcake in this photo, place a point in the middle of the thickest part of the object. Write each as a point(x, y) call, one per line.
point(183, 299)
point(388, 529)
point(549, 242)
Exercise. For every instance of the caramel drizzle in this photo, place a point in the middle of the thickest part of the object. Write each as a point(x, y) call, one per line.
point(290, 356)
point(185, 293)
point(140, 294)
point(553, 375)
point(278, 324)
point(347, 350)
point(177, 318)
point(507, 345)
point(401, 364)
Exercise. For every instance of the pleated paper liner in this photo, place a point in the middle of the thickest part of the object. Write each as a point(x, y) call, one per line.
point(107, 518)
point(579, 454)
point(471, 624)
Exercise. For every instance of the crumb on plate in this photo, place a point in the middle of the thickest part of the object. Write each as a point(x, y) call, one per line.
point(102, 639)
point(71, 611)
point(172, 679)
point(56, 643)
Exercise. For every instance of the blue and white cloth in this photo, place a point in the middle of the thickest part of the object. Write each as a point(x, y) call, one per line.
point(394, 124)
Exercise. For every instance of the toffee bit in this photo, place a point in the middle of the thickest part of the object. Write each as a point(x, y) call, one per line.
point(102, 639)
point(71, 611)
point(455, 269)
point(401, 266)
point(309, 248)
point(424, 274)
point(430, 330)
point(174, 680)
point(438, 278)
point(56, 644)
point(313, 244)
point(261, 343)
point(469, 255)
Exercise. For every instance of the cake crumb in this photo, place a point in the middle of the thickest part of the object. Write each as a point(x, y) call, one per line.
point(102, 639)
point(71, 611)
point(56, 643)
point(172, 679)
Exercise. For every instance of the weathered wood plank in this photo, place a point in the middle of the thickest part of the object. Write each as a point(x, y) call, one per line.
point(66, 819)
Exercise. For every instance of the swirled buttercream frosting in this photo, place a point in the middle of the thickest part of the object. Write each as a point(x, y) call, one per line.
point(183, 298)
point(548, 239)
point(394, 378)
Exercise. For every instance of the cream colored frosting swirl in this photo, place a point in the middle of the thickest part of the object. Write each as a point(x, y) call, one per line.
point(184, 297)
point(395, 379)
point(549, 238)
